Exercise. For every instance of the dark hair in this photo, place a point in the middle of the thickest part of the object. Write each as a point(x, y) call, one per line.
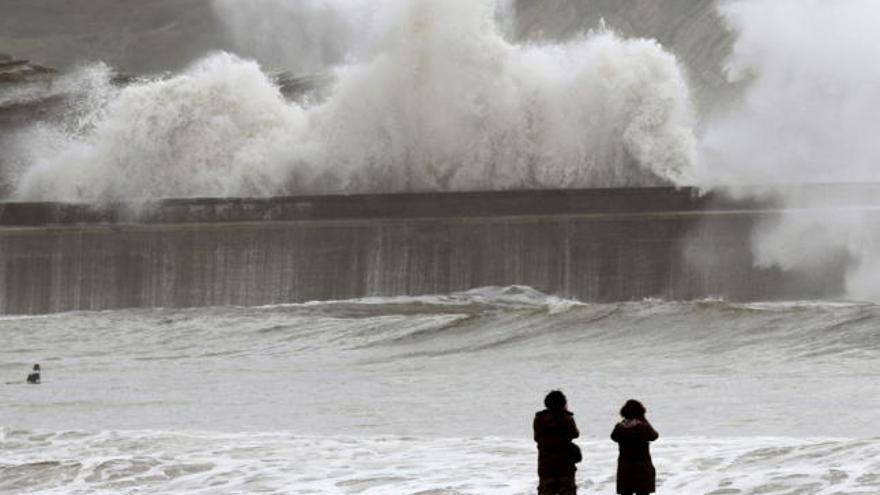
point(36, 366)
point(555, 401)
point(633, 409)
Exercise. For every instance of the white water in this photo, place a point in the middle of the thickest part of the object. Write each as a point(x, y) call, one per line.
point(204, 463)
point(435, 395)
point(807, 115)
point(807, 112)
point(443, 102)
point(431, 96)
point(304, 36)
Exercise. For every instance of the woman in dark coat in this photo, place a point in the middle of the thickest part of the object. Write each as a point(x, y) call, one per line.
point(635, 471)
point(554, 429)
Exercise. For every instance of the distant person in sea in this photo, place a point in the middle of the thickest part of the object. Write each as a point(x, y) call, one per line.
point(555, 429)
point(635, 471)
point(34, 375)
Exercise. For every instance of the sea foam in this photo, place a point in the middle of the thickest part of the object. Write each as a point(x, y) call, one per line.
point(443, 102)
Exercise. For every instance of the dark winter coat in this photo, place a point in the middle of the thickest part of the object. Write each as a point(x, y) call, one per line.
point(554, 432)
point(635, 471)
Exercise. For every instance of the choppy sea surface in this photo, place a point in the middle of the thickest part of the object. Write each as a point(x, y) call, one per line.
point(435, 395)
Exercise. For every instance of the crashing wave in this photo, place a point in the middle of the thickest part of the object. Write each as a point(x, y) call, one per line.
point(444, 103)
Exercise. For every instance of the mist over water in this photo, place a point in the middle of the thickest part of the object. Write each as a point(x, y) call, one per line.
point(441, 102)
point(808, 115)
point(808, 112)
point(301, 36)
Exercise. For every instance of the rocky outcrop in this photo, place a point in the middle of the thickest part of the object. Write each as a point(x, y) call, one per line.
point(26, 96)
point(23, 84)
point(299, 87)
point(14, 70)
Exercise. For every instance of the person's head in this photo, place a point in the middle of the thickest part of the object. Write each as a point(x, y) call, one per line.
point(36, 367)
point(633, 409)
point(555, 401)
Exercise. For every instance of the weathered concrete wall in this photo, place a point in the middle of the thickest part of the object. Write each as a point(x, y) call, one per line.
point(601, 245)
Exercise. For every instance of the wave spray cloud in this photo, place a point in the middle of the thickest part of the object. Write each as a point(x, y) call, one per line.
point(440, 101)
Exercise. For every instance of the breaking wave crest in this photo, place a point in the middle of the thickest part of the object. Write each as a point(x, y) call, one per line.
point(122, 462)
point(368, 395)
point(443, 103)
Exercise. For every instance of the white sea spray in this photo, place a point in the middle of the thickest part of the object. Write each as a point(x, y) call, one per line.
point(807, 116)
point(443, 102)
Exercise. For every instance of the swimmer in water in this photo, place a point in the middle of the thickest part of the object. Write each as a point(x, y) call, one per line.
point(34, 375)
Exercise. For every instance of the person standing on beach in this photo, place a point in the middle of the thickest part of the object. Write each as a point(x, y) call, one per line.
point(635, 471)
point(554, 429)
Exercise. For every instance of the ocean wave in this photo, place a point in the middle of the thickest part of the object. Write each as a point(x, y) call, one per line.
point(512, 296)
point(444, 103)
point(122, 462)
point(348, 367)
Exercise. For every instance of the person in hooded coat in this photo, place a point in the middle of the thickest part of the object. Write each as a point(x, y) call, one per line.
point(635, 470)
point(554, 429)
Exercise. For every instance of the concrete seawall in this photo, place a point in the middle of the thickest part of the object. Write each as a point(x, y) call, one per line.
point(593, 245)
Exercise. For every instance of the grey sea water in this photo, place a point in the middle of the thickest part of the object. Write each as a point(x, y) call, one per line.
point(435, 395)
